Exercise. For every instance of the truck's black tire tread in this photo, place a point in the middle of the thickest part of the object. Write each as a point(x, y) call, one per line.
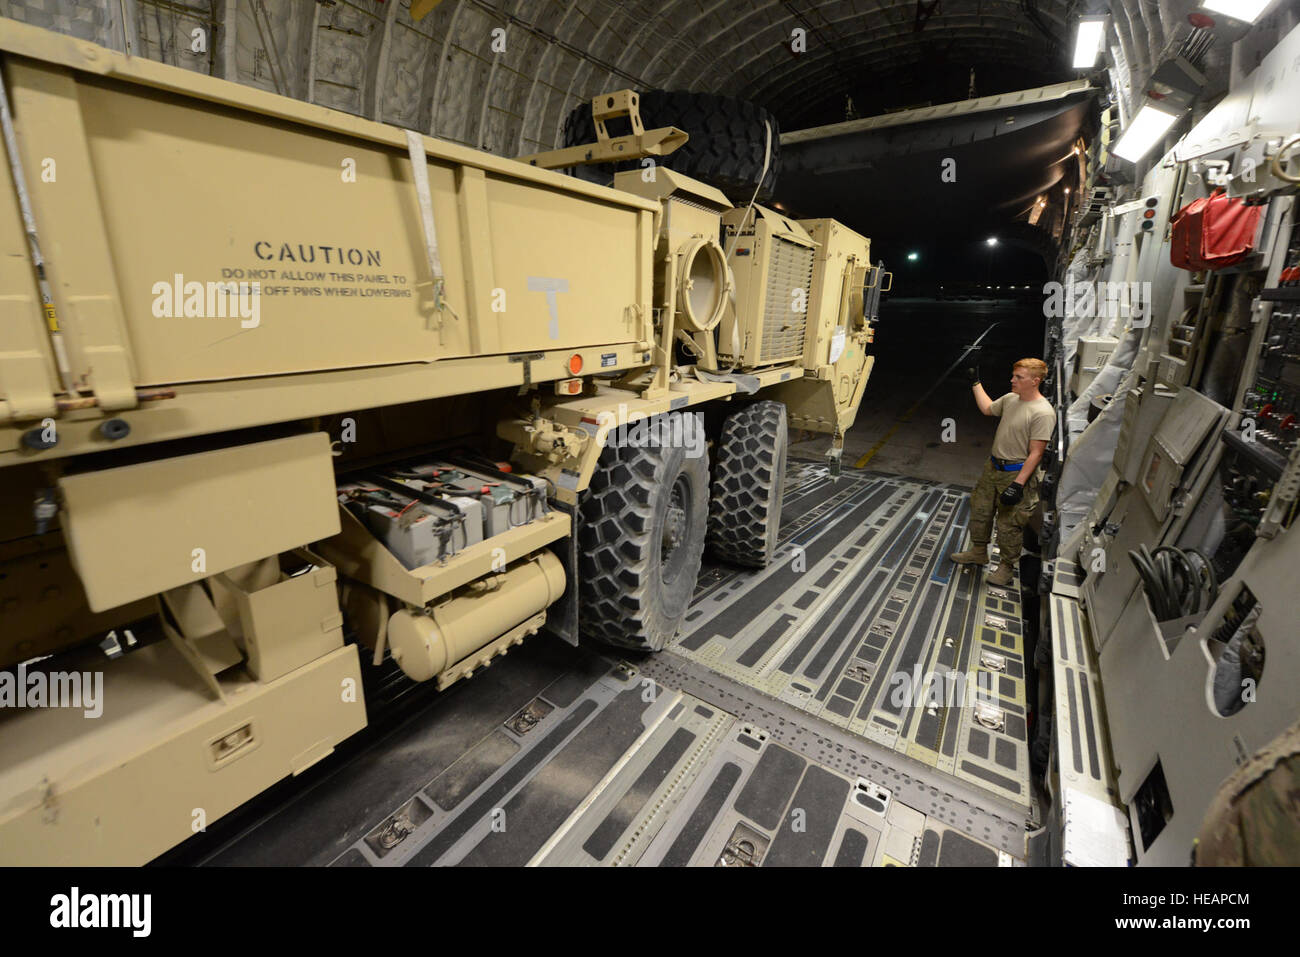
point(624, 600)
point(725, 149)
point(749, 485)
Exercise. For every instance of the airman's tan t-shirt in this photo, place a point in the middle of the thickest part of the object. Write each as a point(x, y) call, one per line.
point(1020, 422)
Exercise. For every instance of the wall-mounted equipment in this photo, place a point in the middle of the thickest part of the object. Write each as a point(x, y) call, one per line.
point(1173, 446)
point(1213, 232)
point(1092, 355)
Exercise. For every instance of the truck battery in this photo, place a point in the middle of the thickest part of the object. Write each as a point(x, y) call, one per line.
point(529, 491)
point(508, 500)
point(417, 527)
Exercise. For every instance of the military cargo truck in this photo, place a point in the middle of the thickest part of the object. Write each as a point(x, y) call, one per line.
point(286, 394)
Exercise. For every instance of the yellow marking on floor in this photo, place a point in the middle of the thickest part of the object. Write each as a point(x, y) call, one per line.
point(898, 424)
point(906, 416)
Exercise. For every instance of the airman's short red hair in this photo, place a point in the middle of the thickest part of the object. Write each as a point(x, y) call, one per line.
point(1035, 367)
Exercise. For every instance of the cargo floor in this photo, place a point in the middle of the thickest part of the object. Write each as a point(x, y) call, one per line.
point(775, 732)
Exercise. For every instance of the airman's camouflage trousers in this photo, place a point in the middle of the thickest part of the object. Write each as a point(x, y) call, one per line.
point(1255, 817)
point(985, 509)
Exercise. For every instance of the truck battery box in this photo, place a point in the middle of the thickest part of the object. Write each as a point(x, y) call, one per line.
point(417, 527)
point(508, 500)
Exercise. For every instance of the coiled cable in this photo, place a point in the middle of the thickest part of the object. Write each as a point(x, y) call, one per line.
point(1179, 583)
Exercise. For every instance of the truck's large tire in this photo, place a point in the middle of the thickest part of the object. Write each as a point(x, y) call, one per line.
point(641, 541)
point(749, 484)
point(726, 146)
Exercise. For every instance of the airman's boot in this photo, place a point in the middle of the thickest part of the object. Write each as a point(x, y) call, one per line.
point(1002, 576)
point(977, 554)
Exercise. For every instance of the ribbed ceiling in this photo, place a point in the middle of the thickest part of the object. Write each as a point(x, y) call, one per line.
point(446, 74)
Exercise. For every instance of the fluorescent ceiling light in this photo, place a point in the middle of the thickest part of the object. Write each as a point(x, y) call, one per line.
point(1247, 11)
point(1087, 42)
point(1143, 133)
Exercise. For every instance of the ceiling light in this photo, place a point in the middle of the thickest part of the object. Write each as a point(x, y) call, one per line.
point(992, 240)
point(1087, 41)
point(1247, 11)
point(1147, 128)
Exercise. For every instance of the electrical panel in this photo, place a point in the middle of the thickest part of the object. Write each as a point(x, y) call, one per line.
point(1258, 470)
point(1142, 411)
point(1266, 438)
point(1092, 355)
point(1273, 400)
point(1173, 445)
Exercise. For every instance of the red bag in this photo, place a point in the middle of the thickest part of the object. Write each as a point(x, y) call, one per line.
point(1213, 232)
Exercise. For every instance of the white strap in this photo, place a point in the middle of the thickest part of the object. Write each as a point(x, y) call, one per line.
point(10, 137)
point(735, 316)
point(420, 171)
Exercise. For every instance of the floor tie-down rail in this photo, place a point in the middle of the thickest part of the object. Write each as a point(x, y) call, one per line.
point(751, 742)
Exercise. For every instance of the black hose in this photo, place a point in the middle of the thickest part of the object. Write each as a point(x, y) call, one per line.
point(1185, 578)
point(1151, 581)
point(1178, 583)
